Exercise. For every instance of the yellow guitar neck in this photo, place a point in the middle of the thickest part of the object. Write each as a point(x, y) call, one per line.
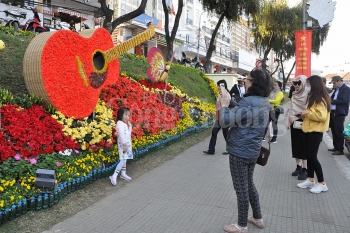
point(129, 44)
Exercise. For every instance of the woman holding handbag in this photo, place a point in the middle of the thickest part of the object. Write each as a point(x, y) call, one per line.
point(315, 122)
point(247, 120)
point(298, 105)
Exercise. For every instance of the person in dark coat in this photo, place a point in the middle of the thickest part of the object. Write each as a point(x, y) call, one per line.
point(217, 126)
point(339, 110)
point(238, 90)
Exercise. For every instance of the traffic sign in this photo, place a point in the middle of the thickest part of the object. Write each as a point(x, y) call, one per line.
point(258, 63)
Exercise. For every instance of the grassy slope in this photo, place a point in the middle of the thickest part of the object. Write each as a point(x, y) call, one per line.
point(11, 71)
point(11, 75)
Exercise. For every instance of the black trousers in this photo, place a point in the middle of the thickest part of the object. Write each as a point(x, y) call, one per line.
point(337, 127)
point(214, 135)
point(298, 143)
point(312, 143)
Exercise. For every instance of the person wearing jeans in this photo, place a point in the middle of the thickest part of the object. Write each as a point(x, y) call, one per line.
point(275, 100)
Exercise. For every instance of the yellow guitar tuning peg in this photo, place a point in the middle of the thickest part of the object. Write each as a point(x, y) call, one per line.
point(2, 45)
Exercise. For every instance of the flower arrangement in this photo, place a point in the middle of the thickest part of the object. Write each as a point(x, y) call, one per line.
point(76, 146)
point(155, 85)
point(30, 132)
point(149, 115)
point(94, 130)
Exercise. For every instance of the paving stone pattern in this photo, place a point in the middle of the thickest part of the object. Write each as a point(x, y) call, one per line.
point(193, 193)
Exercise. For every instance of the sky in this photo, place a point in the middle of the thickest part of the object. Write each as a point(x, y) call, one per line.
point(336, 49)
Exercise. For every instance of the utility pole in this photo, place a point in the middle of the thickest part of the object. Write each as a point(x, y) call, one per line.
point(304, 15)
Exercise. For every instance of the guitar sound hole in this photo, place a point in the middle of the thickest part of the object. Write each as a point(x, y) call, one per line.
point(99, 60)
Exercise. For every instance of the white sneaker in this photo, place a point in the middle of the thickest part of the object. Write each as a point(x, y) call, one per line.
point(318, 188)
point(125, 177)
point(113, 180)
point(306, 184)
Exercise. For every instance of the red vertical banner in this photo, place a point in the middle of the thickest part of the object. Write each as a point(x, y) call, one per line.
point(303, 49)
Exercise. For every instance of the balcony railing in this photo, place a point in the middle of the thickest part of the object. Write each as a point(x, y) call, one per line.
point(207, 30)
point(226, 39)
point(189, 21)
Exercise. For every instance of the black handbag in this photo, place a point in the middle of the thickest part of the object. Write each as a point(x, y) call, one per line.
point(264, 154)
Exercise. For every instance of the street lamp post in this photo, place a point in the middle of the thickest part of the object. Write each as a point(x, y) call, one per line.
point(199, 34)
point(304, 15)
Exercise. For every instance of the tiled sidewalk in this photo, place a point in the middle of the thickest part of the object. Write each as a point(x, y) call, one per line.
point(193, 193)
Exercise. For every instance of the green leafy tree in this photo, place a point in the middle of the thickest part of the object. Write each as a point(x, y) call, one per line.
point(171, 37)
point(231, 10)
point(274, 29)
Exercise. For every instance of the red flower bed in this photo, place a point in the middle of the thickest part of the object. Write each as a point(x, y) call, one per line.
point(149, 114)
point(30, 132)
point(159, 85)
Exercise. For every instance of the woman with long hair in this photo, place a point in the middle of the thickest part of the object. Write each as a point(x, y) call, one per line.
point(297, 105)
point(247, 120)
point(315, 123)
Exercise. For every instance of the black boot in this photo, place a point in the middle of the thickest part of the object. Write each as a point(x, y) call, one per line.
point(303, 174)
point(297, 171)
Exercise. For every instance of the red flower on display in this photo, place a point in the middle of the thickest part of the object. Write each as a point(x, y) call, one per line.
point(159, 85)
point(149, 114)
point(30, 132)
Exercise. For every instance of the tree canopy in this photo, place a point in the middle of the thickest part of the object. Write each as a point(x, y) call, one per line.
point(231, 10)
point(274, 28)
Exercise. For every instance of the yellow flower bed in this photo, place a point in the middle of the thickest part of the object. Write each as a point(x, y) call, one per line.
point(88, 130)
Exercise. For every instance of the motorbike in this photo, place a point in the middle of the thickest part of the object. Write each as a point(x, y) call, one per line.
point(196, 64)
point(34, 25)
point(13, 18)
point(191, 63)
point(184, 60)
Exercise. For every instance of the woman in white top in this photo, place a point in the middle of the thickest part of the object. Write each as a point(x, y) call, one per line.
point(124, 129)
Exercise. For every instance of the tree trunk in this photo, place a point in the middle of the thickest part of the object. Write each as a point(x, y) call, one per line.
point(284, 78)
point(285, 81)
point(170, 38)
point(278, 65)
point(211, 44)
point(267, 51)
point(109, 13)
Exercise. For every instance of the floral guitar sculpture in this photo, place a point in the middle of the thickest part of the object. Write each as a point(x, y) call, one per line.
point(68, 70)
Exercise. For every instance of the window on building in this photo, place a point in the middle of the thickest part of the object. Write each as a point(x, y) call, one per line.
point(47, 22)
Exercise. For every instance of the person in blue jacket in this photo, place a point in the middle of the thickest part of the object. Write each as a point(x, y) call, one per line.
point(247, 121)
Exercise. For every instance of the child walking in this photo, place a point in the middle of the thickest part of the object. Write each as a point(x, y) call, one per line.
point(124, 129)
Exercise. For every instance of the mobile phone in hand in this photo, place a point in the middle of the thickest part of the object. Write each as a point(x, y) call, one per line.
point(222, 88)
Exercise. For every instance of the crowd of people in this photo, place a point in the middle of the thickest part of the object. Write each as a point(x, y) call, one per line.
point(245, 112)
